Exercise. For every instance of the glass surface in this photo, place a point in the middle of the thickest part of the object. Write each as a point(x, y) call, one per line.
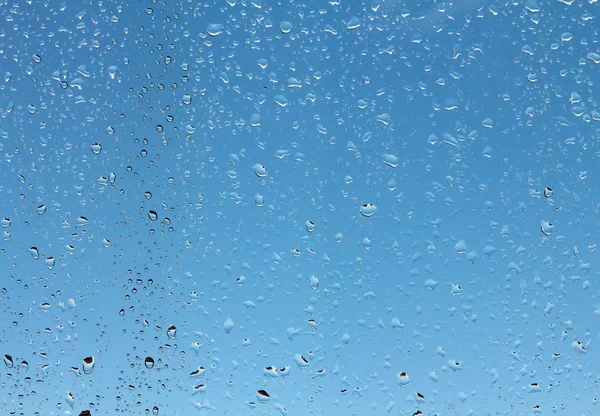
point(299, 208)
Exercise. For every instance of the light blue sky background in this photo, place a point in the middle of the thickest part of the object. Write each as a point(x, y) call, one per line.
point(450, 118)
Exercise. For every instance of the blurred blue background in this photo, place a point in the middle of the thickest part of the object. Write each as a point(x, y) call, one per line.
point(341, 207)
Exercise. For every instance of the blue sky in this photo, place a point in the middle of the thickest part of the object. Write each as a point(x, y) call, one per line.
point(355, 208)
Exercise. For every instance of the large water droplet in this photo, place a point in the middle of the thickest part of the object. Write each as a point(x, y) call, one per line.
point(214, 29)
point(50, 262)
point(546, 228)
point(368, 210)
point(403, 379)
point(8, 361)
point(96, 148)
point(152, 215)
point(88, 364)
point(41, 209)
point(313, 282)
point(285, 27)
point(171, 332)
point(259, 170)
point(34, 252)
point(310, 226)
point(149, 362)
point(228, 325)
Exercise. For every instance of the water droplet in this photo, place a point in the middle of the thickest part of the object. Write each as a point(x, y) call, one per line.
point(8, 361)
point(310, 226)
point(112, 71)
point(96, 148)
point(50, 262)
point(36, 58)
point(263, 396)
point(6, 222)
point(214, 29)
point(259, 200)
point(112, 177)
point(152, 215)
point(81, 221)
point(34, 252)
point(403, 379)
point(285, 27)
point(260, 170)
point(548, 192)
point(313, 282)
point(155, 410)
point(149, 362)
point(546, 228)
point(228, 325)
point(461, 247)
point(390, 160)
point(88, 364)
point(353, 23)
point(122, 312)
point(368, 210)
point(187, 99)
point(171, 332)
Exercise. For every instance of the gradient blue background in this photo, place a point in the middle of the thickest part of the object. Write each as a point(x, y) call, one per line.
point(483, 104)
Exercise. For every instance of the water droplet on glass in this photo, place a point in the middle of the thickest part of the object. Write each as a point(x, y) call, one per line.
point(8, 361)
point(214, 29)
point(390, 160)
point(259, 200)
point(260, 170)
point(546, 228)
point(34, 252)
point(81, 221)
point(368, 210)
point(171, 332)
point(41, 209)
point(155, 410)
point(112, 71)
point(152, 215)
point(49, 262)
point(461, 247)
point(285, 27)
point(313, 282)
point(228, 325)
point(548, 192)
point(96, 148)
point(263, 396)
point(310, 226)
point(149, 362)
point(403, 379)
point(187, 99)
point(36, 58)
point(6, 222)
point(88, 364)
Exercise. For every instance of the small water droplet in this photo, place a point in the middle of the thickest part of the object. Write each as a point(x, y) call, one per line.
point(41, 209)
point(152, 215)
point(314, 282)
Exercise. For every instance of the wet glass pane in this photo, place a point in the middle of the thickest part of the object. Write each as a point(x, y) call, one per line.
point(251, 207)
